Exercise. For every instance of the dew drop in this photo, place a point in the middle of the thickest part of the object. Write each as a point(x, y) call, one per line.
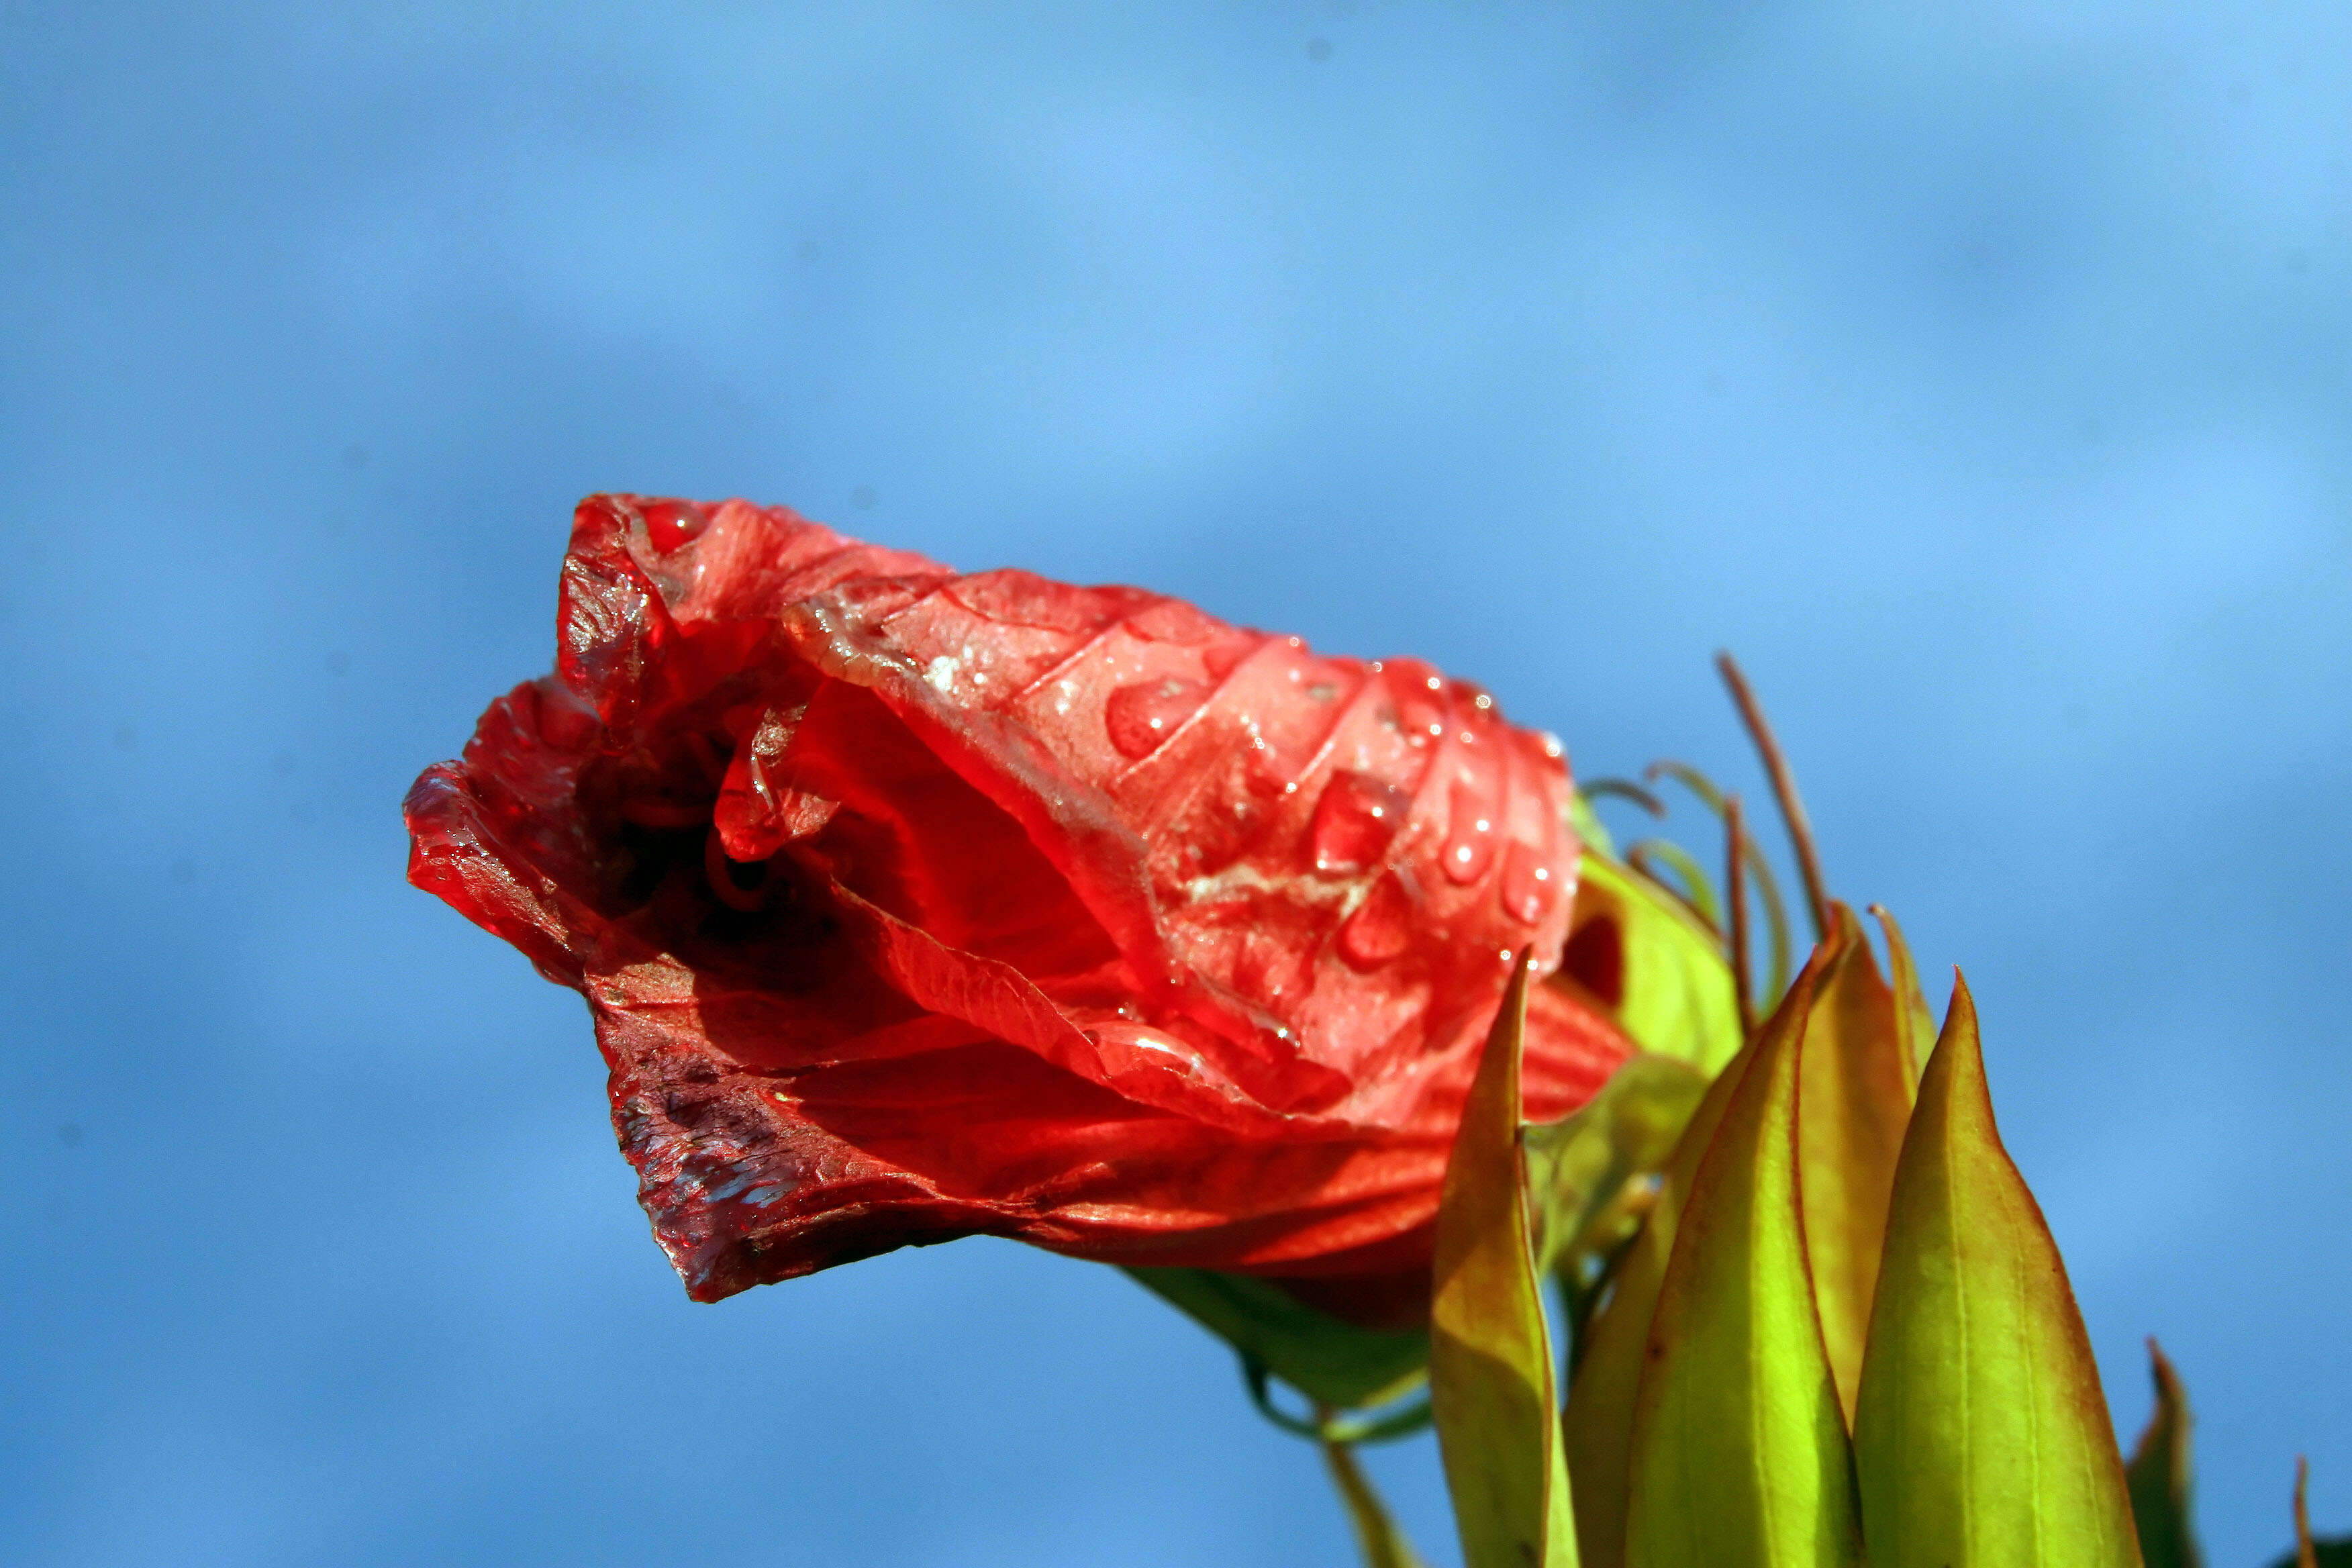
point(1470, 841)
point(1421, 719)
point(1215, 838)
point(1142, 716)
point(1381, 927)
point(670, 523)
point(1528, 884)
point(1355, 821)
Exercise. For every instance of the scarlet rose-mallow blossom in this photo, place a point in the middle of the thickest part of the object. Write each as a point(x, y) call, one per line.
point(911, 905)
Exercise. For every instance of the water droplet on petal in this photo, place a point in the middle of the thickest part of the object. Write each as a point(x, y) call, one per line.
point(1142, 716)
point(670, 523)
point(1381, 927)
point(1421, 721)
point(1355, 820)
point(1528, 883)
point(1470, 839)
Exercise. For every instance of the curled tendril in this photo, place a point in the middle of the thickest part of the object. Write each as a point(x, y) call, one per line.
point(1326, 1426)
point(1624, 789)
point(1696, 892)
point(1776, 912)
point(1784, 790)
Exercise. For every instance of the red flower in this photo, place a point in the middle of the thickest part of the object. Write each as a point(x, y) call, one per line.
point(911, 906)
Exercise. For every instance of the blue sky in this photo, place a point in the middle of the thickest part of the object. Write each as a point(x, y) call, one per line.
point(1977, 372)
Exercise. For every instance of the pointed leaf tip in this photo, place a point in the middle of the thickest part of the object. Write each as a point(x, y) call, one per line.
point(2306, 1551)
point(1913, 1022)
point(1490, 1361)
point(1739, 1454)
point(2310, 1550)
point(1599, 1420)
point(1981, 1437)
point(1856, 1100)
point(2160, 1476)
point(1598, 1423)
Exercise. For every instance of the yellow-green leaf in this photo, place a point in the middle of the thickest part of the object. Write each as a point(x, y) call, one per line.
point(1490, 1365)
point(1579, 1165)
point(1983, 1438)
point(1739, 1451)
point(1912, 1022)
point(2160, 1476)
point(1377, 1536)
point(1651, 966)
point(1857, 1086)
point(1598, 1421)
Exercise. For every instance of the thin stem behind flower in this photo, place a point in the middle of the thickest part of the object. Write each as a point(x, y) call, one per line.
point(1784, 788)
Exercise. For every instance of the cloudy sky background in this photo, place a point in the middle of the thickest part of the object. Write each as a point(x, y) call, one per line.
point(1977, 372)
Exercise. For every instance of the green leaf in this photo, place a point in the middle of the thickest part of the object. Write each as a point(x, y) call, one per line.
point(1981, 1438)
point(1912, 1022)
point(1669, 987)
point(1855, 1101)
point(1490, 1363)
point(1331, 1362)
point(1598, 1424)
point(1377, 1536)
point(1579, 1165)
point(1740, 1450)
point(2160, 1477)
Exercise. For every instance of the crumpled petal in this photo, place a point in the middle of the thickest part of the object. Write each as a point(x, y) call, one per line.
point(911, 905)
